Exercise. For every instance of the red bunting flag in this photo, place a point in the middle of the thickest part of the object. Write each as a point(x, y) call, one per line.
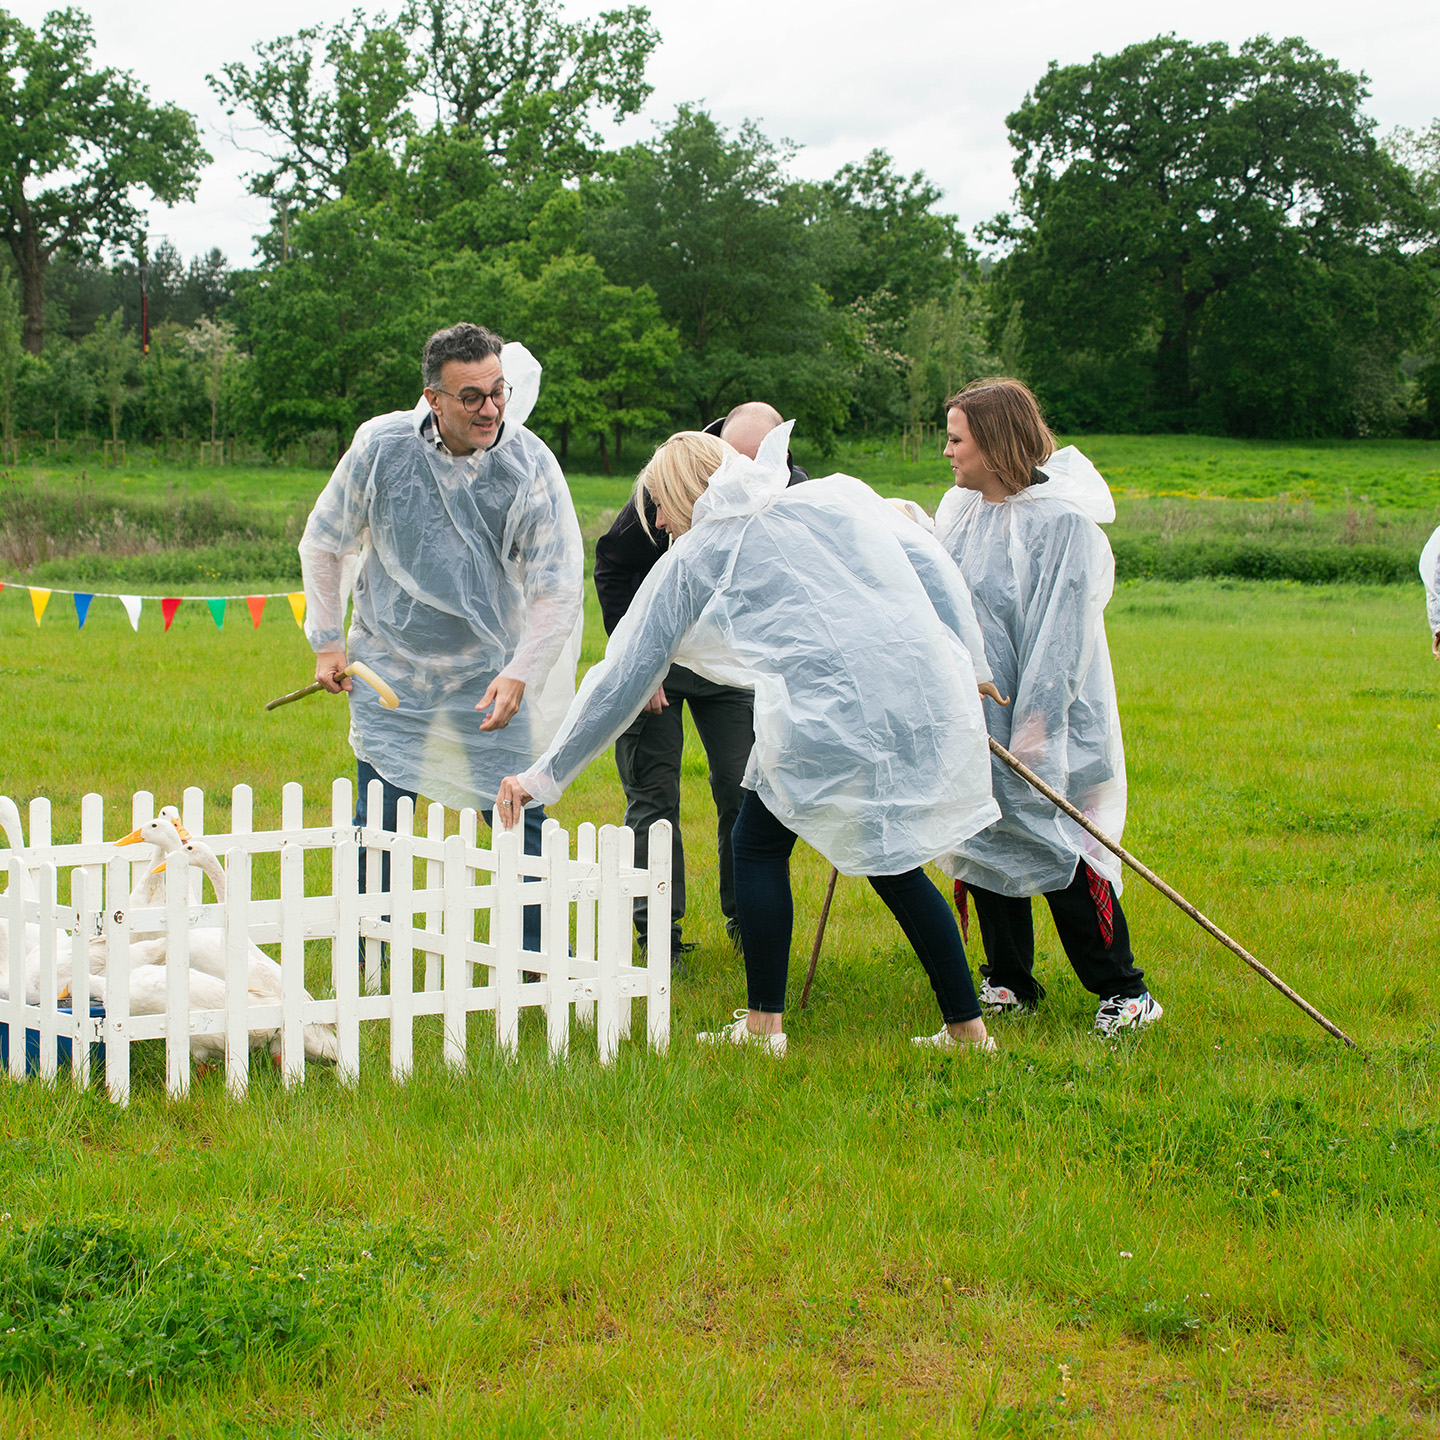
point(168, 606)
point(257, 607)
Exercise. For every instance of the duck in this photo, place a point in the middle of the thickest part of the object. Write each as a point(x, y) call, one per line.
point(208, 958)
point(149, 992)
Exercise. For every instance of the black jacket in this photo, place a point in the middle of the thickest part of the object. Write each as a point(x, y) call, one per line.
point(625, 555)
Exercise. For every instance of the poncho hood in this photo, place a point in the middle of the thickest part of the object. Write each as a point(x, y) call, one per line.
point(1074, 481)
point(742, 486)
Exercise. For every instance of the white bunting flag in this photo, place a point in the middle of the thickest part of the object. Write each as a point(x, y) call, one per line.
point(132, 609)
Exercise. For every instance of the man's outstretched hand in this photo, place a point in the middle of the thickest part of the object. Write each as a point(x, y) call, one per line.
point(502, 700)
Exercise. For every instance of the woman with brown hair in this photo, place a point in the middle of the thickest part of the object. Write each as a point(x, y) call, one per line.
point(1023, 524)
point(856, 634)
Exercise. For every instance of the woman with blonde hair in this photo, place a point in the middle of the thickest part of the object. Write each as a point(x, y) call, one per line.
point(1023, 524)
point(858, 638)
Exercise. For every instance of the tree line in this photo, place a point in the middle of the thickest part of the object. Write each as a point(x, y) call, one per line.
point(1201, 239)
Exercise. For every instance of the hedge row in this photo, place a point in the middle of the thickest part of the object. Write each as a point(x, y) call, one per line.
point(276, 559)
point(1249, 560)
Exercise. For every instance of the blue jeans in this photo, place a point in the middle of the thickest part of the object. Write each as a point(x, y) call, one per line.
point(365, 772)
point(762, 847)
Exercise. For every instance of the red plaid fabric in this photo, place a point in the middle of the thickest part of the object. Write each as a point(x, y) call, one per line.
point(1104, 899)
point(962, 905)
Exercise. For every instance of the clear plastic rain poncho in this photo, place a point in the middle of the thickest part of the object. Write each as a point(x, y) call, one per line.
point(856, 634)
point(462, 568)
point(1041, 572)
point(1430, 574)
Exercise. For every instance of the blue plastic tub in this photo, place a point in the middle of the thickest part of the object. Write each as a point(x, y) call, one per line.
point(62, 1045)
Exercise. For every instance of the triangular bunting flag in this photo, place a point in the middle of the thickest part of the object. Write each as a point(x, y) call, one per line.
point(297, 607)
point(257, 607)
point(39, 599)
point(132, 609)
point(82, 607)
point(217, 611)
point(168, 606)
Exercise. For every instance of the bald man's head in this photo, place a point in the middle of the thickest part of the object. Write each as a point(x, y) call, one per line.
point(747, 425)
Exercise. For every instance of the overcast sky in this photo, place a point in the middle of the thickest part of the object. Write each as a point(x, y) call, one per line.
point(929, 81)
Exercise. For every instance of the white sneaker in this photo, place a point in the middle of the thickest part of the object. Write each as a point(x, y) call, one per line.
point(944, 1040)
point(738, 1033)
point(1002, 1000)
point(1121, 1012)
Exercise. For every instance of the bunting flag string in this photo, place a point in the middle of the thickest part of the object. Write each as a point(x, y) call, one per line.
point(169, 604)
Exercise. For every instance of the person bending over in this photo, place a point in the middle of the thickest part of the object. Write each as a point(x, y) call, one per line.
point(857, 637)
point(1023, 524)
point(648, 752)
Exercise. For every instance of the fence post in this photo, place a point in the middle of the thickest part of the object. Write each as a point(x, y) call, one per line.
point(374, 862)
point(402, 958)
point(346, 894)
point(624, 945)
point(237, 971)
point(142, 808)
point(177, 976)
point(612, 918)
point(117, 980)
point(14, 1006)
point(459, 928)
point(505, 934)
point(82, 889)
point(657, 951)
point(555, 849)
point(292, 960)
point(589, 890)
point(192, 816)
point(434, 879)
point(48, 1026)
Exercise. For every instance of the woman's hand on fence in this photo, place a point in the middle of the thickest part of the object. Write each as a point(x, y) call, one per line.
point(510, 803)
point(328, 665)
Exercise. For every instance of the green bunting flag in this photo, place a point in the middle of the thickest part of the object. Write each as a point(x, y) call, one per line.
point(217, 611)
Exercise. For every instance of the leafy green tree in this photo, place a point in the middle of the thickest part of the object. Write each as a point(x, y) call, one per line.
point(605, 348)
point(884, 242)
point(113, 355)
point(712, 224)
point(93, 134)
point(1175, 201)
point(334, 333)
point(517, 83)
point(212, 342)
point(947, 347)
point(12, 351)
point(526, 82)
point(331, 95)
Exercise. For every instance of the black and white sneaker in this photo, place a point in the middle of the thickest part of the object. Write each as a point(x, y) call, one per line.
point(1125, 1012)
point(1001, 1000)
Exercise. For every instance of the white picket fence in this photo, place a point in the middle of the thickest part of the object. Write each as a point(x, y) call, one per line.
point(584, 971)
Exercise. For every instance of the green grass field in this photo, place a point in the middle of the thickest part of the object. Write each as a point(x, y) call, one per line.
point(1224, 1226)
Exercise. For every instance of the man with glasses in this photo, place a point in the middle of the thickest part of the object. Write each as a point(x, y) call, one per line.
point(452, 527)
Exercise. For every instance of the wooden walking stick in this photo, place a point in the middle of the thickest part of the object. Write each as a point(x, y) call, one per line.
point(819, 935)
point(388, 699)
point(1171, 894)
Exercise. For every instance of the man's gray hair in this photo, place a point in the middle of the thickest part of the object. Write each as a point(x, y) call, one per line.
point(460, 342)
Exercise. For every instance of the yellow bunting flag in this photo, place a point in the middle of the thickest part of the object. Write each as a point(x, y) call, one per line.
point(39, 599)
point(297, 607)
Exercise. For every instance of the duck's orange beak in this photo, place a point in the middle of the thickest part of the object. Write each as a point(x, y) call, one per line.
point(133, 838)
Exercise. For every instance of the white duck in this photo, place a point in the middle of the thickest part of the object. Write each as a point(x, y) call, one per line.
point(207, 957)
point(149, 989)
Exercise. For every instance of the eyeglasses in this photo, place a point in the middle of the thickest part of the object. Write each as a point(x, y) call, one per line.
point(473, 400)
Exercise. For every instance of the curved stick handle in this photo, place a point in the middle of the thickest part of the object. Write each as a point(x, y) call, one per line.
point(388, 698)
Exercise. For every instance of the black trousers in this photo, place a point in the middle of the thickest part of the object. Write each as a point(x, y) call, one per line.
point(1008, 929)
point(648, 755)
point(767, 918)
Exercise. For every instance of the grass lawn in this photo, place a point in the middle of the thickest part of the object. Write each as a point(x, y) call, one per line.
point(1226, 1225)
